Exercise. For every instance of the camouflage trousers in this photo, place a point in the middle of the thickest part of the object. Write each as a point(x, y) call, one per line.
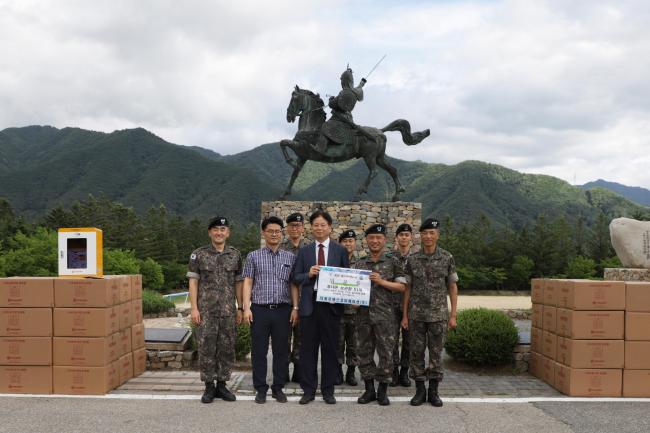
point(378, 336)
point(427, 335)
point(347, 341)
point(216, 337)
point(294, 352)
point(402, 361)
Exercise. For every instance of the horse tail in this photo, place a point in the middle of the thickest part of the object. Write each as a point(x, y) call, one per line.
point(404, 127)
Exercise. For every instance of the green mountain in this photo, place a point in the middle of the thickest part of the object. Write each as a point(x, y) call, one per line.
point(42, 167)
point(634, 193)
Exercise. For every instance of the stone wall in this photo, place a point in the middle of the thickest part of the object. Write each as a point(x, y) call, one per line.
point(627, 274)
point(353, 215)
point(171, 359)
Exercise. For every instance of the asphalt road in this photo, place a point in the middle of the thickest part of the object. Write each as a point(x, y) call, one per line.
point(45, 415)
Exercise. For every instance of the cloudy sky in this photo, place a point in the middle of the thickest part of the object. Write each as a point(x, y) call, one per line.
point(554, 87)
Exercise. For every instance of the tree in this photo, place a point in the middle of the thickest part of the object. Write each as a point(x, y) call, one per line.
point(581, 267)
point(120, 262)
point(152, 274)
point(30, 255)
point(601, 245)
point(521, 271)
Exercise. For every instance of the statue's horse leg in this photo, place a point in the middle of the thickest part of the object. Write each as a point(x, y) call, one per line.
point(381, 161)
point(296, 171)
point(370, 161)
point(283, 145)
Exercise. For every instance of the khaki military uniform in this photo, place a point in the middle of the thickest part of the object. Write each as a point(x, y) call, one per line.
point(217, 272)
point(430, 277)
point(294, 334)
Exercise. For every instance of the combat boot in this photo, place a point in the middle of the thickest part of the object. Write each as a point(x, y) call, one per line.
point(223, 392)
point(420, 393)
point(339, 376)
point(209, 393)
point(295, 378)
point(382, 394)
point(404, 377)
point(433, 397)
point(395, 378)
point(369, 395)
point(349, 376)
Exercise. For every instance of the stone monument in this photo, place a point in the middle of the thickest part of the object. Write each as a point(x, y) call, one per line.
point(631, 241)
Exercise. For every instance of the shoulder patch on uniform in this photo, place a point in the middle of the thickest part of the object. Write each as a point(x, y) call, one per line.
point(193, 256)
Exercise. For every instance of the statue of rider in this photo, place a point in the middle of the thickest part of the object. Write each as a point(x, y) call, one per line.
point(340, 128)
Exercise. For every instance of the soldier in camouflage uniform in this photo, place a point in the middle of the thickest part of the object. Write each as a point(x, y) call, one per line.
point(376, 324)
point(347, 337)
point(215, 284)
point(294, 241)
point(403, 241)
point(433, 275)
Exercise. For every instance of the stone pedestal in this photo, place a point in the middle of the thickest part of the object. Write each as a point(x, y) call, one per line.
point(627, 274)
point(355, 216)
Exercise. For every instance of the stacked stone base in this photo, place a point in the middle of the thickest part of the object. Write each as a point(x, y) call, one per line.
point(521, 357)
point(627, 274)
point(171, 359)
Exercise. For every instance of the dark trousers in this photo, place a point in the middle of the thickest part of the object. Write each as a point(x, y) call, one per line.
point(320, 330)
point(272, 323)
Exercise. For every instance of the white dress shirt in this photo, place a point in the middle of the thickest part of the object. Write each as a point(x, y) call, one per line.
point(326, 246)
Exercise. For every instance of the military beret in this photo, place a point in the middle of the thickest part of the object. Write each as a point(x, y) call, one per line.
point(218, 222)
point(295, 218)
point(404, 228)
point(348, 234)
point(430, 223)
point(376, 228)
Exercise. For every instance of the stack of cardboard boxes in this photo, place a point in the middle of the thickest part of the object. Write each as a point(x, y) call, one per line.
point(90, 336)
point(579, 337)
point(636, 376)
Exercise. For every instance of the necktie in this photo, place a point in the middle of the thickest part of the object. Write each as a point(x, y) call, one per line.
point(321, 255)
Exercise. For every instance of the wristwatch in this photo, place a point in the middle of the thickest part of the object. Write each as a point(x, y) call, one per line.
point(240, 308)
point(295, 308)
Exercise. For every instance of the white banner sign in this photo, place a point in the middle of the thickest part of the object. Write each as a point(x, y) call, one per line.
point(344, 286)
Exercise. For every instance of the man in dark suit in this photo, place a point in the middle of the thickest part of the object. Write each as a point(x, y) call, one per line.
point(319, 321)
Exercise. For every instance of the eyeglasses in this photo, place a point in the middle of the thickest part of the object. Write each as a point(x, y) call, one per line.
point(273, 232)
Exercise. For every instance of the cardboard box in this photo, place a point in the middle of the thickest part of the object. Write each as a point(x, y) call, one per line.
point(535, 364)
point(85, 322)
point(83, 380)
point(25, 350)
point(26, 322)
point(114, 374)
point(637, 355)
point(583, 382)
point(18, 379)
point(114, 346)
point(139, 361)
point(126, 294)
point(549, 344)
point(537, 318)
point(591, 295)
point(136, 286)
point(84, 351)
point(125, 367)
point(548, 370)
point(637, 326)
point(550, 292)
point(636, 383)
point(137, 336)
point(549, 319)
point(86, 292)
point(30, 292)
point(591, 325)
point(590, 353)
point(124, 342)
point(136, 309)
point(537, 290)
point(637, 296)
point(125, 313)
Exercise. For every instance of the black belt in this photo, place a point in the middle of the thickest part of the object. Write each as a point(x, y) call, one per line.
point(272, 306)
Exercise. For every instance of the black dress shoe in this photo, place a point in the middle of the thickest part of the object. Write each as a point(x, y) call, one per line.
point(306, 398)
point(279, 396)
point(260, 397)
point(329, 399)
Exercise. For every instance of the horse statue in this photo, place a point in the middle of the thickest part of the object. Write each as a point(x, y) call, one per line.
point(369, 142)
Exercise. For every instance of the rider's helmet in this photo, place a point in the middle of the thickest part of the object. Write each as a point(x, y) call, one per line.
point(347, 79)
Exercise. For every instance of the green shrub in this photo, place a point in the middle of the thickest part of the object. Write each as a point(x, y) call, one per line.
point(152, 274)
point(120, 262)
point(483, 337)
point(153, 302)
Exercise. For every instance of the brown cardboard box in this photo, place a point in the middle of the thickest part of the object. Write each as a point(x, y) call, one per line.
point(125, 367)
point(636, 383)
point(590, 353)
point(25, 350)
point(83, 380)
point(114, 372)
point(536, 339)
point(26, 322)
point(591, 295)
point(591, 325)
point(18, 379)
point(136, 309)
point(85, 322)
point(637, 296)
point(86, 292)
point(535, 364)
point(27, 292)
point(139, 361)
point(538, 315)
point(637, 326)
point(637, 355)
point(137, 336)
point(124, 342)
point(548, 370)
point(124, 282)
point(583, 382)
point(549, 319)
point(550, 292)
point(136, 286)
point(83, 351)
point(549, 344)
point(114, 346)
point(537, 290)
point(125, 314)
